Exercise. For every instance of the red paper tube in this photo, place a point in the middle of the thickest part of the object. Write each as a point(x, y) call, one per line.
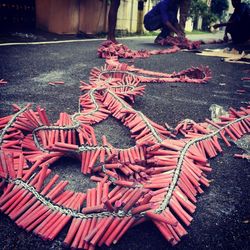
point(174, 204)
point(93, 223)
point(116, 231)
point(204, 181)
point(9, 195)
point(93, 159)
point(111, 173)
point(25, 196)
point(57, 189)
point(41, 178)
point(162, 162)
point(108, 204)
point(236, 130)
point(191, 172)
point(196, 158)
point(227, 130)
point(43, 116)
point(21, 204)
point(142, 134)
point(136, 168)
point(46, 223)
point(193, 166)
point(113, 224)
point(92, 197)
point(37, 221)
point(113, 165)
point(241, 127)
point(101, 222)
point(160, 178)
point(99, 193)
point(32, 170)
point(12, 200)
point(10, 165)
point(160, 218)
point(184, 201)
point(204, 168)
point(54, 231)
point(111, 157)
point(15, 135)
point(56, 228)
point(163, 152)
point(131, 156)
point(127, 196)
point(186, 191)
point(141, 208)
point(200, 129)
point(56, 220)
point(124, 230)
point(216, 144)
point(33, 200)
point(145, 199)
point(26, 222)
point(179, 229)
point(243, 156)
point(188, 184)
point(105, 189)
point(141, 125)
point(118, 195)
point(126, 170)
point(74, 227)
point(101, 230)
point(66, 146)
point(63, 197)
point(224, 138)
point(194, 179)
point(129, 204)
point(198, 149)
point(94, 209)
point(86, 162)
point(209, 151)
point(77, 242)
point(124, 183)
point(165, 231)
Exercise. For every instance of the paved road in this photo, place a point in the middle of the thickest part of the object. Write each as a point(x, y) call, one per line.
point(221, 220)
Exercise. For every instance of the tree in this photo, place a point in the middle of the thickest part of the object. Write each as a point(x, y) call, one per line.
point(197, 8)
point(218, 7)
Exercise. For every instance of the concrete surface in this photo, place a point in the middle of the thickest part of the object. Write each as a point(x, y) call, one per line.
point(222, 218)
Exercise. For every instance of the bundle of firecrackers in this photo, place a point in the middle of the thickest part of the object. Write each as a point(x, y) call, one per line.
point(158, 179)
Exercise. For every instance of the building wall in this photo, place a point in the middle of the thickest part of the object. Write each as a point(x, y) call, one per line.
point(57, 16)
point(89, 16)
point(128, 15)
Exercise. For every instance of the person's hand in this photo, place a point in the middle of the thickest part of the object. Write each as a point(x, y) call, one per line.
point(225, 38)
point(180, 34)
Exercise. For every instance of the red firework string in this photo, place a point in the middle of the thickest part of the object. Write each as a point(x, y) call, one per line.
point(158, 179)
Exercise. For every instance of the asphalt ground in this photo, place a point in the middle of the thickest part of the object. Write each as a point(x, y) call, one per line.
point(222, 217)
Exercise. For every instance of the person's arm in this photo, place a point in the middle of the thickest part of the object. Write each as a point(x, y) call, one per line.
point(165, 19)
point(112, 19)
point(218, 25)
point(175, 28)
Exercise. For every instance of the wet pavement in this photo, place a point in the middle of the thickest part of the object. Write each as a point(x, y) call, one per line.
point(222, 218)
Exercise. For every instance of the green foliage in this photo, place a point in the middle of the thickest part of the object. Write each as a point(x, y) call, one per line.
point(219, 6)
point(207, 19)
point(197, 8)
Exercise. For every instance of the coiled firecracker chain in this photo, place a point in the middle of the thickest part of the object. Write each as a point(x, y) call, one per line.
point(156, 179)
point(166, 200)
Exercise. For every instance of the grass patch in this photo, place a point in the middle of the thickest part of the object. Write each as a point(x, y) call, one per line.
point(197, 32)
